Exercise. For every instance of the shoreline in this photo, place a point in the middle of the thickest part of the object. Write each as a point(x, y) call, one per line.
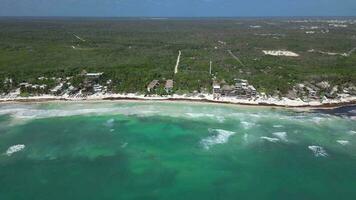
point(273, 103)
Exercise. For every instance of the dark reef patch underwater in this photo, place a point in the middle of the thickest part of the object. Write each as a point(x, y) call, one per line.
point(155, 150)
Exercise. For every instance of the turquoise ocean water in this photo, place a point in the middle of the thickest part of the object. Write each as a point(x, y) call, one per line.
point(153, 150)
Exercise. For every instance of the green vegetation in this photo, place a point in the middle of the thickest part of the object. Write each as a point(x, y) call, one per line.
point(132, 52)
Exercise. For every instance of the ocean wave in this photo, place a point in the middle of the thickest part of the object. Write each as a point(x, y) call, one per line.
point(219, 118)
point(343, 142)
point(220, 137)
point(352, 132)
point(109, 123)
point(269, 139)
point(318, 151)
point(15, 148)
point(281, 135)
point(245, 137)
point(247, 125)
point(278, 126)
point(124, 145)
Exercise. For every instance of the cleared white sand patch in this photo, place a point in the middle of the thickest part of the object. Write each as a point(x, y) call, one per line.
point(333, 53)
point(221, 136)
point(343, 142)
point(255, 26)
point(327, 53)
point(318, 151)
point(280, 53)
point(15, 148)
point(269, 139)
point(338, 25)
point(222, 42)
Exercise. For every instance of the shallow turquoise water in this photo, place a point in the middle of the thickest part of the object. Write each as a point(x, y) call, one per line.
point(174, 151)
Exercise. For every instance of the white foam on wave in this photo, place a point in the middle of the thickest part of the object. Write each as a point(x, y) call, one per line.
point(278, 126)
point(247, 125)
point(245, 137)
point(219, 118)
point(110, 122)
point(221, 136)
point(352, 132)
point(30, 113)
point(269, 139)
point(281, 135)
point(318, 151)
point(124, 145)
point(15, 148)
point(317, 120)
point(343, 142)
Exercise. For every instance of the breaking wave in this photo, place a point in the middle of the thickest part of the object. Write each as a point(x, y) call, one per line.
point(318, 151)
point(220, 136)
point(278, 126)
point(352, 132)
point(218, 118)
point(343, 142)
point(269, 139)
point(15, 148)
point(247, 125)
point(110, 123)
point(281, 135)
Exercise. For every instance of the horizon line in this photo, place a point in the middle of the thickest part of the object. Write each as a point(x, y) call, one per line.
point(252, 16)
point(182, 17)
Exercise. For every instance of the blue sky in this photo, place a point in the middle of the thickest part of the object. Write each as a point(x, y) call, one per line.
point(178, 8)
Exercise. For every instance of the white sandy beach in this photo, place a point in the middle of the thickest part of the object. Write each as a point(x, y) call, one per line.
point(265, 101)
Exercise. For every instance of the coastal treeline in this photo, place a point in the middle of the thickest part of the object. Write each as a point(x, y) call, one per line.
point(133, 52)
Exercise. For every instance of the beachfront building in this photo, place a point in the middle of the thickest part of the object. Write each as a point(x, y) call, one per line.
point(252, 91)
point(169, 86)
point(92, 78)
point(25, 85)
point(312, 92)
point(94, 75)
point(241, 89)
point(57, 90)
point(152, 85)
point(216, 88)
point(97, 88)
point(91, 82)
point(228, 91)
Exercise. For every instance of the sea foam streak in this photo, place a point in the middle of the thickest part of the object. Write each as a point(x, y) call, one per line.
point(278, 126)
point(221, 137)
point(269, 139)
point(318, 151)
point(247, 125)
point(110, 123)
point(15, 148)
point(343, 142)
point(352, 132)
